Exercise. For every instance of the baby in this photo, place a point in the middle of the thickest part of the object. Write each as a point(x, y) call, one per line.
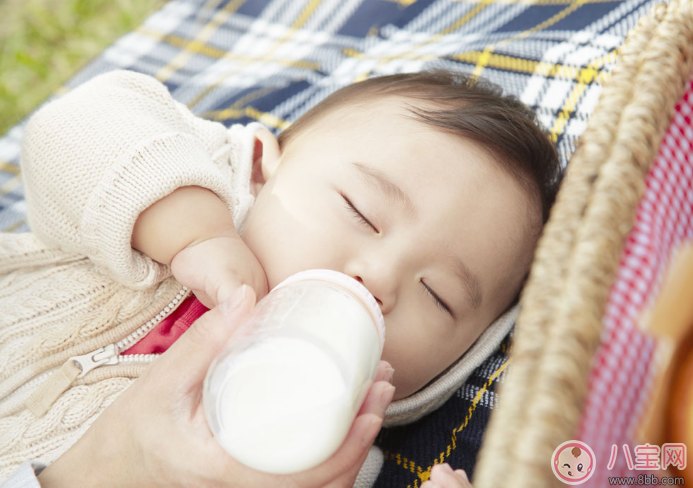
point(430, 191)
point(430, 188)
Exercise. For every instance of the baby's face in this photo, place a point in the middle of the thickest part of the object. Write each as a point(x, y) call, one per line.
point(441, 218)
point(574, 468)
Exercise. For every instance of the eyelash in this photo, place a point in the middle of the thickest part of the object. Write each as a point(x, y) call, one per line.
point(439, 303)
point(359, 216)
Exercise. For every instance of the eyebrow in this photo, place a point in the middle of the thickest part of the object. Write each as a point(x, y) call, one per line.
point(380, 182)
point(469, 280)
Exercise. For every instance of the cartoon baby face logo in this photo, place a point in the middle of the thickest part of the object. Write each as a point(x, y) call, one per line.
point(573, 462)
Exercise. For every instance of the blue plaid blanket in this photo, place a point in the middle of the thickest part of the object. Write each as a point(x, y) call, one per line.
point(272, 60)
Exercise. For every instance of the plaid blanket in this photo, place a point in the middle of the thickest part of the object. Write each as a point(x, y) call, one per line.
point(272, 60)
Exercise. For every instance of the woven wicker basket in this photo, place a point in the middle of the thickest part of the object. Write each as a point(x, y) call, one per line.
point(560, 322)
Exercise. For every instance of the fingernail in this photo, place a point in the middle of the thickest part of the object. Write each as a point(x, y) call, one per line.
point(389, 374)
point(386, 397)
point(235, 301)
point(446, 467)
point(371, 432)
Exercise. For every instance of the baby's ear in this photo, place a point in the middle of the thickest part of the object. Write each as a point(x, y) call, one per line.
point(266, 155)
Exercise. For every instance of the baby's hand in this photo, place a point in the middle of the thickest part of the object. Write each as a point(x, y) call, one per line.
point(442, 476)
point(214, 268)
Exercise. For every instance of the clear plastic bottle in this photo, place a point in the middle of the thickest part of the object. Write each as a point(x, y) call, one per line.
point(282, 396)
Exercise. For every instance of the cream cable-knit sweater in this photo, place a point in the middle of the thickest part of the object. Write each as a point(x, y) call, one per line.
point(92, 161)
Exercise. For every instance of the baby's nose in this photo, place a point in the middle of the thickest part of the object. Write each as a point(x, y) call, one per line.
point(380, 303)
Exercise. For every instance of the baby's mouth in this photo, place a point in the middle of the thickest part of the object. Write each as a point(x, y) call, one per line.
point(570, 473)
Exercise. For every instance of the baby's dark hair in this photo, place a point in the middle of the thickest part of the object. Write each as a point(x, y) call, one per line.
point(470, 107)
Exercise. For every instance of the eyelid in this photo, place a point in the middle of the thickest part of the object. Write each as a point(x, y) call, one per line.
point(358, 214)
point(439, 302)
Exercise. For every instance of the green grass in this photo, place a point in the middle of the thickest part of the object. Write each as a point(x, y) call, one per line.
point(44, 42)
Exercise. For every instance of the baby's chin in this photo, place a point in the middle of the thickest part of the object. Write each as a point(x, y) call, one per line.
point(268, 274)
point(272, 278)
point(271, 282)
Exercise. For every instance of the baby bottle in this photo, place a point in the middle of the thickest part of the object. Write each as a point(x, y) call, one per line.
point(283, 394)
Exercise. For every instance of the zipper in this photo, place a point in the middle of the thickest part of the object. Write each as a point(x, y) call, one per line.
point(110, 354)
point(105, 356)
point(131, 339)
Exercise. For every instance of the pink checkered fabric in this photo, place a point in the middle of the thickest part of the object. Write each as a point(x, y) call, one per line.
point(621, 377)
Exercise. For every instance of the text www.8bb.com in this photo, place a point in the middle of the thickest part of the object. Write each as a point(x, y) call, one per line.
point(646, 480)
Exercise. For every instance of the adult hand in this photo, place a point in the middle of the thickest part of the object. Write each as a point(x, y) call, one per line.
point(155, 433)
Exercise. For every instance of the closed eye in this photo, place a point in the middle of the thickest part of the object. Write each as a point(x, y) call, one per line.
point(359, 216)
point(439, 303)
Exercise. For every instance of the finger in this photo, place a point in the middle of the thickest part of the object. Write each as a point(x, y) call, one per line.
point(190, 356)
point(354, 449)
point(204, 299)
point(443, 475)
point(374, 395)
point(385, 372)
point(374, 399)
point(440, 468)
point(226, 289)
point(462, 474)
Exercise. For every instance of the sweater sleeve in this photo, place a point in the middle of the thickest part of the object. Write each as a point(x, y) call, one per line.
point(97, 157)
point(26, 476)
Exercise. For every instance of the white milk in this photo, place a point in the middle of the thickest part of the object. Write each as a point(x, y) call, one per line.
point(282, 396)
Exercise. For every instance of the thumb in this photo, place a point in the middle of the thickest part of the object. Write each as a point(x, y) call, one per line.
point(191, 355)
point(226, 290)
